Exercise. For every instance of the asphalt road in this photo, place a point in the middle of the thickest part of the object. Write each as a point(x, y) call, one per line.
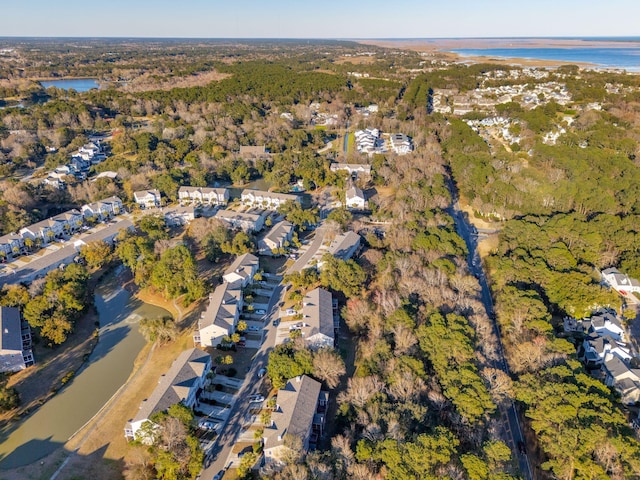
point(221, 451)
point(509, 414)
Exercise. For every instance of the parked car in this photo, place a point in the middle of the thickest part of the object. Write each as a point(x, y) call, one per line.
point(276, 322)
point(253, 328)
point(291, 311)
point(207, 424)
point(260, 311)
point(219, 475)
point(256, 398)
point(262, 372)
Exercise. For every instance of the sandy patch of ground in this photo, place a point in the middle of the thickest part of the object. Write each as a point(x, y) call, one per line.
point(487, 246)
point(479, 222)
point(148, 82)
point(357, 60)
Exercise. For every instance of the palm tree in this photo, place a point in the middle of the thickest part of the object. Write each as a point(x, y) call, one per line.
point(28, 242)
point(3, 256)
point(50, 234)
point(15, 250)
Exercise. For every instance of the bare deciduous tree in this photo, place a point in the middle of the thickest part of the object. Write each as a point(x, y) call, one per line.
point(328, 366)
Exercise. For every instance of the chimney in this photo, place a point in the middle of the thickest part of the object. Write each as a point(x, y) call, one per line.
point(298, 378)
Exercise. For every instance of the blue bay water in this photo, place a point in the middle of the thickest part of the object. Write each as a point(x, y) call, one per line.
point(604, 57)
point(78, 84)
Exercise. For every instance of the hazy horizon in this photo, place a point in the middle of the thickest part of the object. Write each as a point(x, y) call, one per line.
point(287, 19)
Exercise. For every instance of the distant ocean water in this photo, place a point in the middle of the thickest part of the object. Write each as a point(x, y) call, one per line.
point(627, 58)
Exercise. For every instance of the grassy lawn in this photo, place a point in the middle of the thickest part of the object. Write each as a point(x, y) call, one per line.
point(242, 359)
point(351, 143)
point(273, 265)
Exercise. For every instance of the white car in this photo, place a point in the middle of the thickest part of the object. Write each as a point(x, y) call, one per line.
point(260, 311)
point(291, 311)
point(207, 424)
point(256, 399)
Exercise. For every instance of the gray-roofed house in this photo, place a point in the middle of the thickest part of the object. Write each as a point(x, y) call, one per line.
point(181, 384)
point(249, 222)
point(317, 324)
point(147, 198)
point(263, 199)
point(300, 412)
point(54, 227)
point(179, 215)
point(400, 143)
point(221, 316)
point(203, 195)
point(242, 269)
point(103, 209)
point(12, 245)
point(278, 237)
point(15, 341)
point(597, 347)
point(624, 379)
point(606, 323)
point(355, 198)
point(345, 245)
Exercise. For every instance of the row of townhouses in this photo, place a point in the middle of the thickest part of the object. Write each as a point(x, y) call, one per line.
point(186, 378)
point(225, 303)
point(53, 228)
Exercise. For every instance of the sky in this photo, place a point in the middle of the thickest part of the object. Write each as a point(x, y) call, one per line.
point(319, 18)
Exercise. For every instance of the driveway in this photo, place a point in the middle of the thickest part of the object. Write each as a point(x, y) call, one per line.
point(304, 260)
point(221, 451)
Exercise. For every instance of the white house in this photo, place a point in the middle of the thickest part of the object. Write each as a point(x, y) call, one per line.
point(355, 198)
point(368, 141)
point(11, 244)
point(300, 412)
point(596, 348)
point(15, 341)
point(400, 143)
point(147, 198)
point(70, 220)
point(203, 195)
point(242, 270)
point(606, 323)
point(54, 227)
point(278, 237)
point(624, 379)
point(270, 200)
point(620, 282)
point(103, 209)
point(352, 168)
point(181, 384)
point(249, 222)
point(317, 319)
point(180, 215)
point(221, 316)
